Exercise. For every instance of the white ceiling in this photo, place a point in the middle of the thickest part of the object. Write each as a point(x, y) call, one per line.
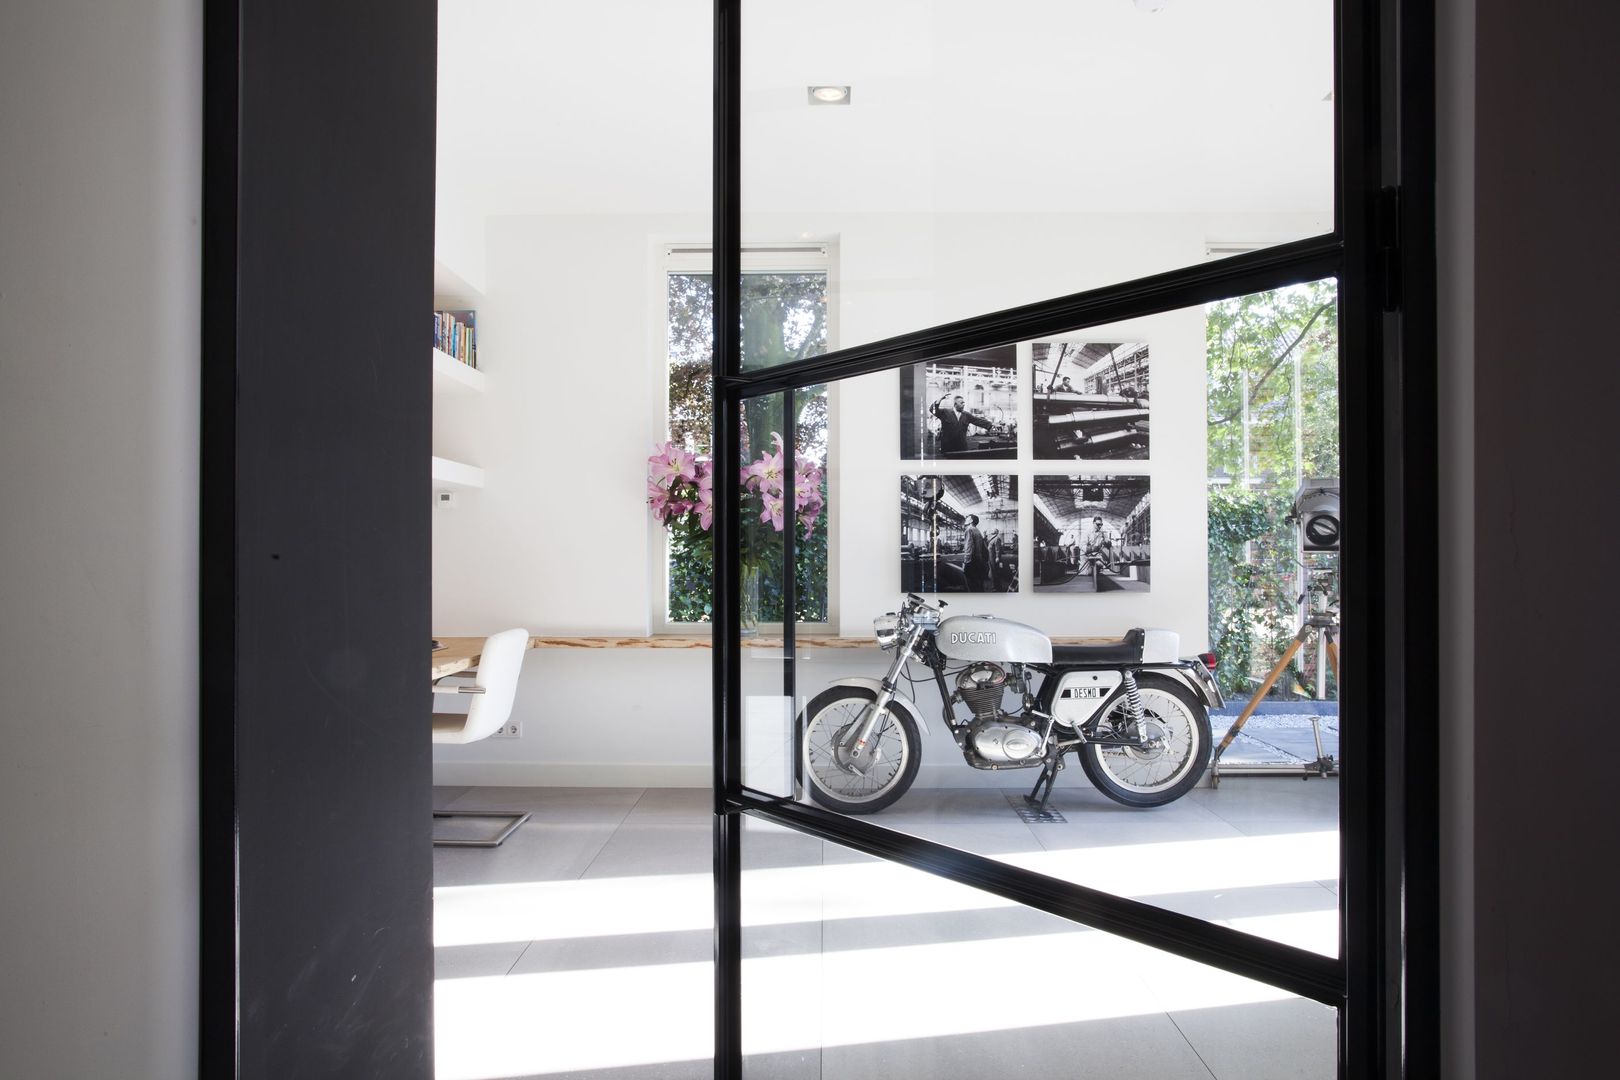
point(958, 106)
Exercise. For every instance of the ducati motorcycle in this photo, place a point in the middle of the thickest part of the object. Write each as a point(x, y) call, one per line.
point(1134, 712)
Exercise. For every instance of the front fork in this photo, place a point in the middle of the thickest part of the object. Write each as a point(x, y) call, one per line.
point(858, 751)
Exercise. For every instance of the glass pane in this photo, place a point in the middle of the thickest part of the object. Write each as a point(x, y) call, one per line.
point(784, 319)
point(961, 159)
point(785, 495)
point(767, 736)
point(1090, 400)
point(962, 407)
point(1096, 550)
point(1272, 426)
point(959, 533)
point(857, 968)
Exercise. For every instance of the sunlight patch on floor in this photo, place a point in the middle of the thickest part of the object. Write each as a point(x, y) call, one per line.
point(555, 1022)
point(1317, 930)
point(593, 907)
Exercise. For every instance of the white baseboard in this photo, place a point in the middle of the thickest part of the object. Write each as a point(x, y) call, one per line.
point(622, 774)
point(540, 774)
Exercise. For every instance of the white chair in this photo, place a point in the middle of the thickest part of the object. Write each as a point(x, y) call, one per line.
point(490, 695)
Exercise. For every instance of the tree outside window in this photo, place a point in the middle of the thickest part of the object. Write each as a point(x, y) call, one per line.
point(784, 318)
point(1273, 420)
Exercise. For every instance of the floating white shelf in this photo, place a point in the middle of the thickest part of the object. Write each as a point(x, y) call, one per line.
point(454, 476)
point(451, 376)
point(451, 289)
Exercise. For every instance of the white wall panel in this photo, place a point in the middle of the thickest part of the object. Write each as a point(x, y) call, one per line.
point(100, 118)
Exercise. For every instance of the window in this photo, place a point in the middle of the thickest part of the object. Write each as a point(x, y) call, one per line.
point(787, 316)
point(1272, 423)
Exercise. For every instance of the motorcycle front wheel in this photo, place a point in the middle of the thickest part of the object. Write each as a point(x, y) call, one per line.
point(823, 726)
point(1176, 731)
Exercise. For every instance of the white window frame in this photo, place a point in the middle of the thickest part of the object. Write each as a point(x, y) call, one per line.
point(696, 258)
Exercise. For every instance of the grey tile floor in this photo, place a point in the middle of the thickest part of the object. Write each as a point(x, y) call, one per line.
point(589, 933)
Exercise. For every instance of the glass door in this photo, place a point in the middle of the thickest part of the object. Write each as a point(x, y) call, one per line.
point(969, 824)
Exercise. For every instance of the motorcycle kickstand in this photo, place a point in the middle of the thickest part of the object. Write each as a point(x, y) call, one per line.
point(1048, 775)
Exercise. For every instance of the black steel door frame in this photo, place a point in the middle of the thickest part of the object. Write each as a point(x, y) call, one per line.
point(1385, 981)
point(315, 950)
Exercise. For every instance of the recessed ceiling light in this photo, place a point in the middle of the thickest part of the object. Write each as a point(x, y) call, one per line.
point(829, 95)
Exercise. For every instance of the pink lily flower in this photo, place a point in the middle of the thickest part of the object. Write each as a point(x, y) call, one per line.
point(764, 474)
point(671, 464)
point(805, 497)
point(658, 499)
point(705, 496)
point(772, 512)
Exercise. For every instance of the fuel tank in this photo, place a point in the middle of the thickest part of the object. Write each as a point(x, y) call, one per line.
point(985, 637)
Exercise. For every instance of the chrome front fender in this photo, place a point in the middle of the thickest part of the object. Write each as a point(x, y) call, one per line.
point(899, 700)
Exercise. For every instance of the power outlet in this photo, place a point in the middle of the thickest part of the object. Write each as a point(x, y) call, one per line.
point(512, 729)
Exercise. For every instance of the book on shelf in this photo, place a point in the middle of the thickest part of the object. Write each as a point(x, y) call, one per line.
point(455, 333)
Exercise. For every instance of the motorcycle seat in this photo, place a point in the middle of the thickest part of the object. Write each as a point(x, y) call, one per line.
point(1127, 650)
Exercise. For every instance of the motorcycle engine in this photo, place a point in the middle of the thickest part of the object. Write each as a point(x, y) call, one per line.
point(980, 687)
point(995, 737)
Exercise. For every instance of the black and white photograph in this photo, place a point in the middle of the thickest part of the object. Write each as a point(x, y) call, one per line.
point(960, 407)
point(959, 534)
point(1091, 400)
point(1092, 534)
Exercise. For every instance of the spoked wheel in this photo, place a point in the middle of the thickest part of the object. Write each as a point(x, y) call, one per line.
point(1176, 737)
point(849, 786)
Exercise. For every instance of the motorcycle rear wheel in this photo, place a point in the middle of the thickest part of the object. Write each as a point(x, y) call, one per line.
point(825, 721)
point(1153, 777)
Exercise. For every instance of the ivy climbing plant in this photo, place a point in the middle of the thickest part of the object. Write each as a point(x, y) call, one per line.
point(1273, 420)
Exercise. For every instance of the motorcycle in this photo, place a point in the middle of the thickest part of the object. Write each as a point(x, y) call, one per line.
point(1133, 712)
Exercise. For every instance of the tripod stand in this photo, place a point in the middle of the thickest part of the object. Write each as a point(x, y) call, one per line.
point(1322, 624)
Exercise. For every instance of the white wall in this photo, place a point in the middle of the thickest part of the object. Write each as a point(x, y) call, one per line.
point(100, 115)
point(988, 262)
point(559, 540)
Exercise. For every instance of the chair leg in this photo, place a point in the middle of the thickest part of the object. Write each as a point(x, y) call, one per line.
point(517, 817)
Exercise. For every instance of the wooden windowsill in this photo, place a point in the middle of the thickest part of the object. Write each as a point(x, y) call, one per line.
point(696, 641)
point(460, 653)
point(763, 641)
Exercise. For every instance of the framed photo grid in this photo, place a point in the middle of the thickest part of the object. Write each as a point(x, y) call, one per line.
point(1087, 405)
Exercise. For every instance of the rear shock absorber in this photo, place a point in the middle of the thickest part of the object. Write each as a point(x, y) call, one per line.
point(1133, 702)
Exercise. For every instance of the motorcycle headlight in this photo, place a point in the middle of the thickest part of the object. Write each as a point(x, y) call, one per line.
point(887, 628)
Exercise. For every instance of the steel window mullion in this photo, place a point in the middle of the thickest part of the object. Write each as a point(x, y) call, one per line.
point(790, 599)
point(1414, 846)
point(727, 649)
point(219, 997)
point(1363, 1025)
point(1256, 271)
